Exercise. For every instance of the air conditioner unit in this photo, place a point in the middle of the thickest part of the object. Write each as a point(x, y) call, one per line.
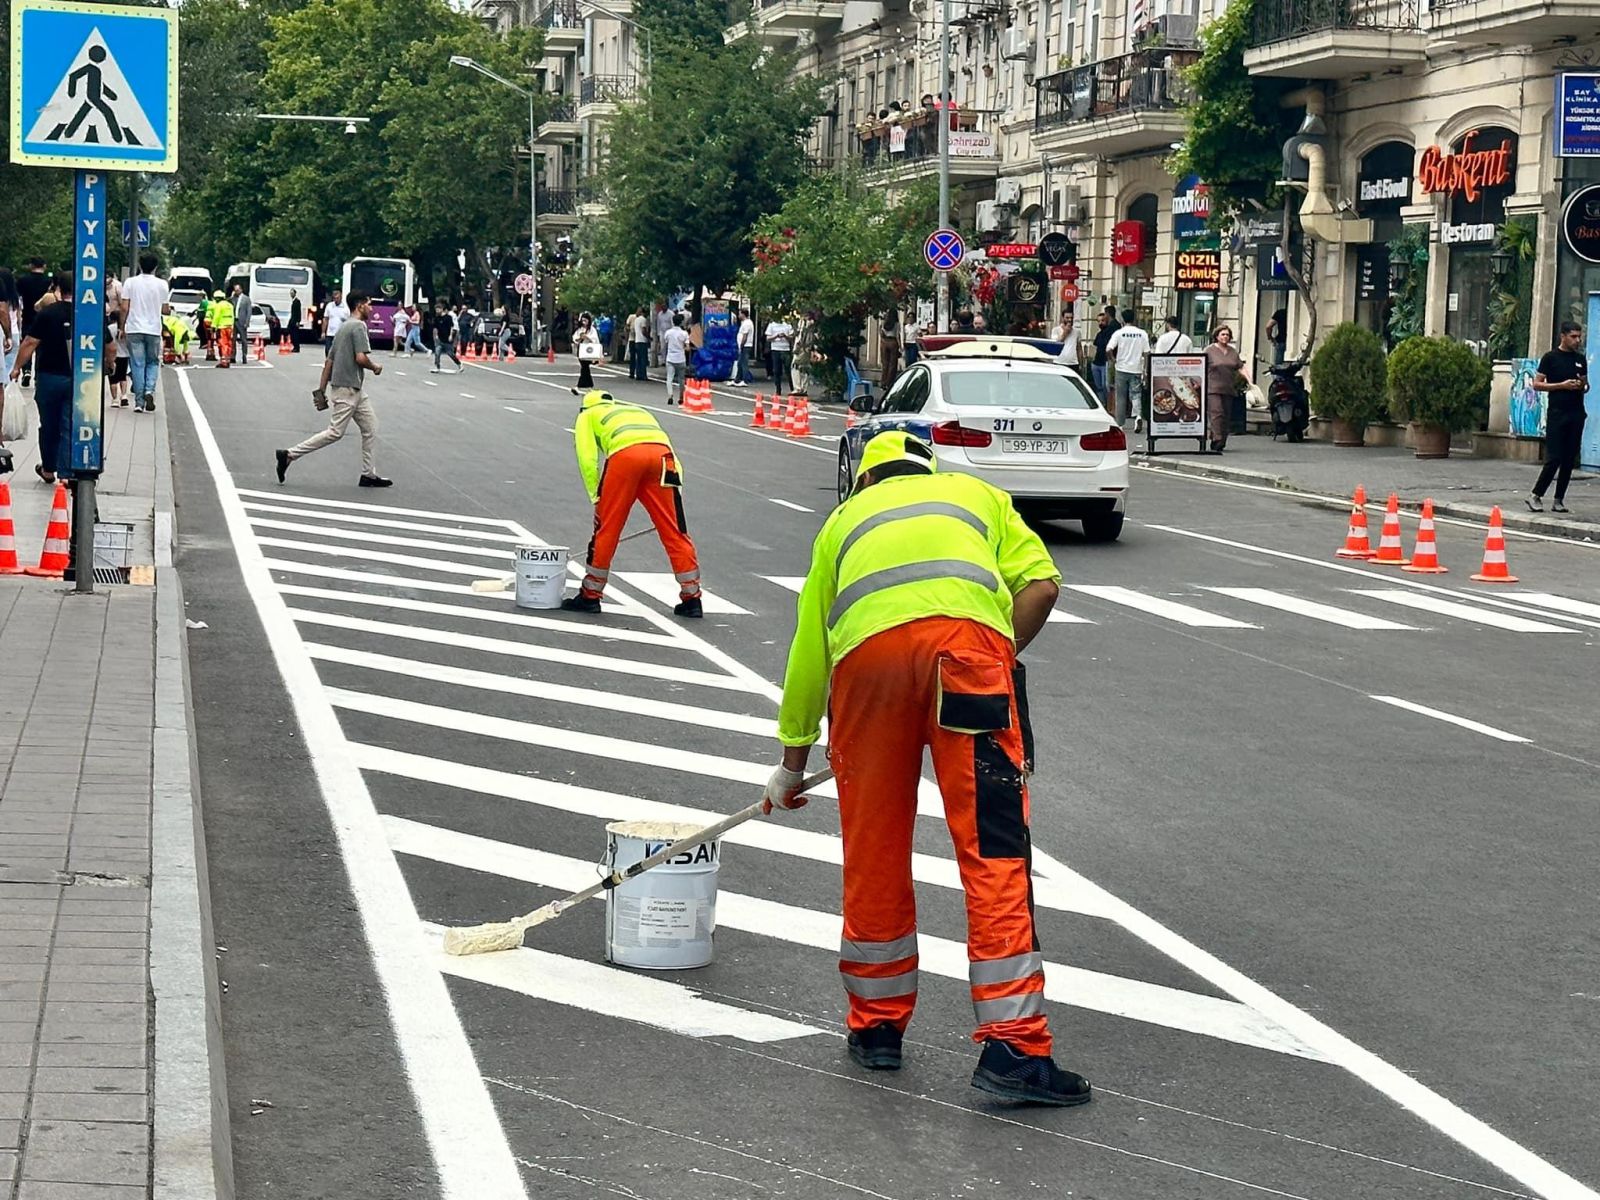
point(1007, 193)
point(1179, 29)
point(992, 217)
point(1016, 45)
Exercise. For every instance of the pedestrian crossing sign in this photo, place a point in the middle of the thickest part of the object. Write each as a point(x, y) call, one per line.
point(94, 86)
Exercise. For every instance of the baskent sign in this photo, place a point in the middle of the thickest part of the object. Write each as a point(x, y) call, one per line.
point(1199, 271)
point(1468, 171)
point(1577, 123)
point(1580, 223)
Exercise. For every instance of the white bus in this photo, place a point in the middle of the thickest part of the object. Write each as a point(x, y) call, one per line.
point(238, 273)
point(272, 281)
point(390, 282)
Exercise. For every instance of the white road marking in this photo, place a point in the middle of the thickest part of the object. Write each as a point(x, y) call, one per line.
point(442, 566)
point(1346, 617)
point(1060, 616)
point(281, 497)
point(1559, 603)
point(773, 835)
point(509, 408)
point(1466, 612)
point(1156, 606)
point(574, 983)
point(466, 395)
point(662, 587)
point(506, 557)
point(468, 1145)
point(792, 583)
point(380, 580)
point(544, 689)
point(430, 383)
point(500, 646)
point(790, 504)
point(482, 535)
point(1155, 1004)
point(1451, 718)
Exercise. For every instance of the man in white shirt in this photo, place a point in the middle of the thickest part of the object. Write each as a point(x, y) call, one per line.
point(1067, 334)
point(675, 351)
point(1173, 340)
point(747, 347)
point(639, 344)
point(663, 322)
point(913, 338)
point(334, 314)
point(1129, 346)
point(144, 301)
point(780, 341)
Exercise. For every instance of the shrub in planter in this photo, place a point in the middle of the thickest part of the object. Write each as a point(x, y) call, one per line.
point(1349, 382)
point(1440, 387)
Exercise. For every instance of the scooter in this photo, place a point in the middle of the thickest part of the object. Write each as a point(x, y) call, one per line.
point(1286, 398)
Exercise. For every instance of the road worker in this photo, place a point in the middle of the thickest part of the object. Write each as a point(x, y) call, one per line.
point(221, 316)
point(178, 337)
point(641, 467)
point(923, 587)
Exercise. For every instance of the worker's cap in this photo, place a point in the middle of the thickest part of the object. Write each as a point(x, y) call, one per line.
point(596, 396)
point(217, 295)
point(897, 447)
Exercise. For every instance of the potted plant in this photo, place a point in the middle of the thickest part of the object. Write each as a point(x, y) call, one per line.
point(1440, 387)
point(1348, 382)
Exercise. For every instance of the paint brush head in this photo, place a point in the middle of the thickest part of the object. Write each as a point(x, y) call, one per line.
point(484, 939)
point(492, 585)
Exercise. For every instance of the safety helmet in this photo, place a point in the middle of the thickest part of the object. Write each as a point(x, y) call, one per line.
point(896, 447)
point(596, 396)
point(217, 295)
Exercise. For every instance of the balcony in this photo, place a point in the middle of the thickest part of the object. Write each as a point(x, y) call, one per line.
point(598, 95)
point(592, 197)
point(560, 123)
point(563, 27)
point(558, 208)
point(1116, 106)
point(1334, 39)
point(781, 22)
point(909, 150)
point(1479, 21)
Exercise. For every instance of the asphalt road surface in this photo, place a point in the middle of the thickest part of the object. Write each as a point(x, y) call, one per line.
point(1316, 841)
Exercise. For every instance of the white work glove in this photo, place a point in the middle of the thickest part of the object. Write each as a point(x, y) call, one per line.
point(783, 789)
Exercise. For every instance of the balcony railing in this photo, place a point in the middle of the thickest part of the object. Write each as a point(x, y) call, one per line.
point(1114, 87)
point(561, 111)
point(561, 14)
point(915, 138)
point(558, 201)
point(601, 89)
point(1294, 18)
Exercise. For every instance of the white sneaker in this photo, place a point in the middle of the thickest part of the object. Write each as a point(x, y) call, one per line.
point(1534, 503)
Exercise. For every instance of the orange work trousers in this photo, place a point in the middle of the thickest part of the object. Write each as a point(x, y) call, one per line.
point(223, 337)
point(945, 684)
point(637, 475)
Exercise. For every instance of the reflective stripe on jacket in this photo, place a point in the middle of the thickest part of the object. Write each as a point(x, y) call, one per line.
point(605, 428)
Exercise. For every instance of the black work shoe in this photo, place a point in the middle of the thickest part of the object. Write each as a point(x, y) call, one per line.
point(150, 402)
point(581, 603)
point(1027, 1078)
point(375, 481)
point(283, 463)
point(688, 608)
point(876, 1049)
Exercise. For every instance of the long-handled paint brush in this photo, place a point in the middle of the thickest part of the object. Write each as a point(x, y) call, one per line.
point(507, 935)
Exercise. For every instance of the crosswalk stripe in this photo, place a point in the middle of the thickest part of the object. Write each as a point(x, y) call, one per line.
point(482, 535)
point(503, 555)
point(1346, 617)
point(608, 991)
point(544, 689)
point(792, 583)
point(1157, 606)
point(1077, 987)
point(319, 502)
point(1466, 612)
point(439, 565)
point(1060, 616)
point(1577, 608)
point(774, 836)
point(663, 588)
point(571, 658)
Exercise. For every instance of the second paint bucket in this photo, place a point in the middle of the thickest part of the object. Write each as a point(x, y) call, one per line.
point(541, 576)
point(664, 919)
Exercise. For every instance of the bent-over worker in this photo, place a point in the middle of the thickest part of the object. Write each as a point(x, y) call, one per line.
point(640, 467)
point(923, 587)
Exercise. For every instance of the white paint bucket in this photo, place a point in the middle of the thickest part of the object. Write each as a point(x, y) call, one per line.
point(662, 920)
point(541, 576)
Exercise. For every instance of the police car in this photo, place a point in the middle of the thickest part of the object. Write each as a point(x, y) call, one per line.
point(1015, 417)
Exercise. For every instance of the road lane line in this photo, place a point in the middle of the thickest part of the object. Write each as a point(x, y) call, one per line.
point(510, 408)
point(1559, 603)
point(485, 535)
point(1077, 987)
point(465, 1138)
point(282, 497)
point(663, 588)
point(466, 395)
point(1156, 606)
point(441, 565)
point(773, 836)
point(790, 504)
point(389, 539)
point(1284, 602)
point(430, 383)
point(1451, 718)
point(1464, 612)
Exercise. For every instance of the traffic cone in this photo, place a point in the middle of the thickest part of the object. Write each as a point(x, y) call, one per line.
point(1391, 552)
point(511, 354)
point(778, 417)
point(1494, 568)
point(1425, 558)
point(758, 418)
point(283, 345)
point(1356, 543)
point(551, 356)
point(57, 539)
point(800, 419)
point(8, 534)
point(259, 346)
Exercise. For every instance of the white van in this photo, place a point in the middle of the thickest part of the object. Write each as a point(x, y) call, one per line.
point(188, 285)
point(272, 282)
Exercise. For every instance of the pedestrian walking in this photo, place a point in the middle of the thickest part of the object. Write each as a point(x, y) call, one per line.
point(640, 468)
point(402, 326)
point(115, 362)
point(1128, 348)
point(414, 321)
point(1224, 373)
point(639, 345)
point(466, 325)
point(47, 350)
point(745, 343)
point(334, 314)
point(675, 350)
point(1173, 340)
point(221, 314)
point(780, 343)
point(349, 357)
point(662, 322)
point(444, 336)
point(923, 589)
point(889, 350)
point(588, 350)
point(144, 302)
point(912, 339)
point(1563, 376)
point(296, 316)
point(31, 287)
point(1106, 325)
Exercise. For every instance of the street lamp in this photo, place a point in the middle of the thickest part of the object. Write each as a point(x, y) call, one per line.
point(472, 64)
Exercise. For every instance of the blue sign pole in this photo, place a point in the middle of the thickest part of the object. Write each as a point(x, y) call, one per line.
point(86, 452)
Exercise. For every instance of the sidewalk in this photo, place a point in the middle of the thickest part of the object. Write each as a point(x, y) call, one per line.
point(109, 1066)
point(1459, 486)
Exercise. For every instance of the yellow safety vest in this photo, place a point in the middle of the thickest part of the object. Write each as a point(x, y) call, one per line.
point(604, 428)
point(906, 548)
point(221, 314)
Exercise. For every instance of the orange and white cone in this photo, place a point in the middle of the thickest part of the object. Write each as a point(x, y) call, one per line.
point(1494, 568)
point(57, 539)
point(1390, 550)
point(1425, 558)
point(261, 350)
point(758, 418)
point(550, 355)
point(778, 418)
point(800, 422)
point(8, 534)
point(1356, 542)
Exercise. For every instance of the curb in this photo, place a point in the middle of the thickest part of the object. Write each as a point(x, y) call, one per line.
point(193, 1153)
point(1550, 526)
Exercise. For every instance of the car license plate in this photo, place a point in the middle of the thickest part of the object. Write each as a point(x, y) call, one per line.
point(1034, 445)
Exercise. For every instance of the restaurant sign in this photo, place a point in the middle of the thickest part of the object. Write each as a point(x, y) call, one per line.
point(1468, 171)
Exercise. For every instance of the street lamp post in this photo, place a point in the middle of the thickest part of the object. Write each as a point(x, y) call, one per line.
point(943, 315)
point(472, 64)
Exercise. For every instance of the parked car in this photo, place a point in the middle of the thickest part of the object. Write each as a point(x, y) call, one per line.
point(1014, 417)
point(185, 302)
